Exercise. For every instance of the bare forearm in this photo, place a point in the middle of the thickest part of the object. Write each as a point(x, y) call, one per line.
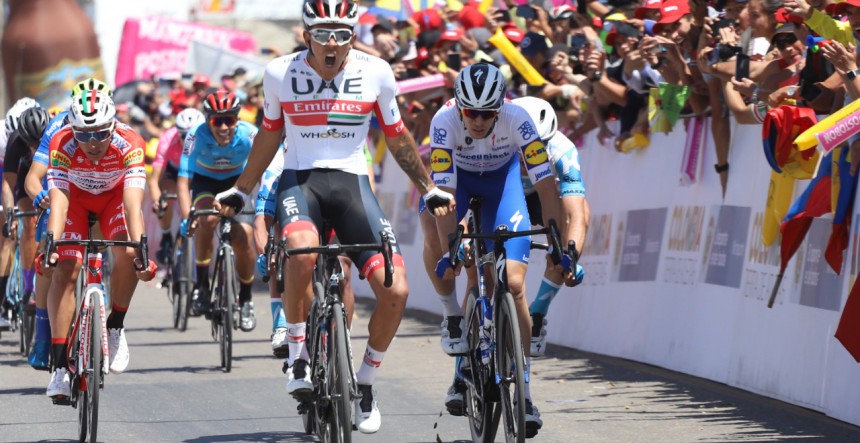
point(550, 201)
point(59, 212)
point(131, 199)
point(9, 179)
point(576, 226)
point(183, 193)
point(154, 188)
point(33, 182)
point(405, 152)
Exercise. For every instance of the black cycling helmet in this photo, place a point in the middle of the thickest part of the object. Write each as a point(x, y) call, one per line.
point(32, 125)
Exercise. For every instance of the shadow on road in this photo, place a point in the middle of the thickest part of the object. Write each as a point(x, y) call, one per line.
point(265, 437)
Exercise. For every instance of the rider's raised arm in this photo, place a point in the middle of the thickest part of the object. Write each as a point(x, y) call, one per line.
point(134, 184)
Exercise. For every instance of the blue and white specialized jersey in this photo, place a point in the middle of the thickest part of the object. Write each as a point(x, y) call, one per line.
point(452, 148)
point(54, 126)
point(268, 193)
point(564, 158)
point(202, 155)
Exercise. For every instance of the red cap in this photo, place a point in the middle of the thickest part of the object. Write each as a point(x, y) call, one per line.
point(428, 19)
point(670, 12)
point(650, 5)
point(783, 16)
point(839, 8)
point(470, 17)
point(202, 80)
point(422, 56)
point(450, 35)
point(515, 35)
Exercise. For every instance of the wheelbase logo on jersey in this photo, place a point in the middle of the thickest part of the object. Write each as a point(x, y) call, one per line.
point(535, 153)
point(440, 160)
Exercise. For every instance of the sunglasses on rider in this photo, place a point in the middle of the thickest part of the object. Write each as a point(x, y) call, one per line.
point(322, 36)
point(99, 136)
point(784, 40)
point(229, 120)
point(486, 114)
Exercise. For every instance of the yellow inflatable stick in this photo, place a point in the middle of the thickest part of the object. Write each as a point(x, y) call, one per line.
point(778, 201)
point(513, 56)
point(483, 7)
point(807, 139)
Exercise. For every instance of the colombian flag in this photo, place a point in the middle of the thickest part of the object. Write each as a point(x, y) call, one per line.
point(843, 190)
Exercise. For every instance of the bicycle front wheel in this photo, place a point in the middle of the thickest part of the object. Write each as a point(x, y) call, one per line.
point(314, 343)
point(28, 323)
point(510, 366)
point(91, 377)
point(340, 418)
point(482, 406)
point(183, 277)
point(226, 306)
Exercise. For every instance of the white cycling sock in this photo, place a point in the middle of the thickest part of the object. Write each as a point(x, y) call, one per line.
point(296, 341)
point(528, 371)
point(369, 365)
point(450, 307)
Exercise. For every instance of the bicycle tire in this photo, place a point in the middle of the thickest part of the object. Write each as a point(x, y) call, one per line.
point(483, 412)
point(510, 365)
point(91, 377)
point(340, 422)
point(309, 416)
point(184, 277)
point(28, 324)
point(226, 304)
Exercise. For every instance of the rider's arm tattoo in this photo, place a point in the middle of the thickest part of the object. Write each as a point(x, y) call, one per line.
point(405, 153)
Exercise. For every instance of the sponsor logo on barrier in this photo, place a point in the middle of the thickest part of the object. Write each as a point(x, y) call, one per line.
point(535, 153)
point(440, 160)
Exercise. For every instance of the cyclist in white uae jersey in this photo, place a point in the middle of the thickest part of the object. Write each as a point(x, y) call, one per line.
point(325, 96)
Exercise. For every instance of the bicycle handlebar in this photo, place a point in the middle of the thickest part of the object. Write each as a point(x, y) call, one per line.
point(502, 234)
point(96, 245)
point(13, 214)
point(162, 203)
point(384, 247)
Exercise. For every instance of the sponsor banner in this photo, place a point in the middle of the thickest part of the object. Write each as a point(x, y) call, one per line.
point(643, 238)
point(820, 287)
point(157, 45)
point(728, 247)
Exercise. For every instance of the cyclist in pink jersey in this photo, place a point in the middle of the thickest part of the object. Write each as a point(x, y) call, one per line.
point(165, 169)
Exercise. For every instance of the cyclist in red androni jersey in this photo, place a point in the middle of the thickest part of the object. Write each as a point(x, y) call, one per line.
point(323, 99)
point(96, 166)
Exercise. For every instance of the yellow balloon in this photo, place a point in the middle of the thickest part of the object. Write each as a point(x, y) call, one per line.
point(513, 56)
point(807, 139)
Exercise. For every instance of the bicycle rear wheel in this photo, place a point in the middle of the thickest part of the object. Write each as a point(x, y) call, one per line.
point(482, 406)
point(340, 419)
point(510, 365)
point(91, 377)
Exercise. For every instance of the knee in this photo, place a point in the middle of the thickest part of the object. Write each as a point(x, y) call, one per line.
point(302, 264)
point(516, 284)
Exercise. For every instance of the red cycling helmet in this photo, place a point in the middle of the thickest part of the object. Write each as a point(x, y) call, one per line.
point(221, 102)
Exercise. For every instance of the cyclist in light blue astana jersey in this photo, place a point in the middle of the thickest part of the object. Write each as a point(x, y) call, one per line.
point(215, 154)
point(573, 223)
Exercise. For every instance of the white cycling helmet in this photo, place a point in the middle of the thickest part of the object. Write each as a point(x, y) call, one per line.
point(14, 114)
point(91, 109)
point(330, 12)
point(480, 86)
point(189, 118)
point(542, 115)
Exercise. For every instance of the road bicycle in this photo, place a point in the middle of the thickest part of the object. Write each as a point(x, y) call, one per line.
point(327, 410)
point(224, 285)
point(88, 346)
point(494, 368)
point(179, 274)
point(22, 316)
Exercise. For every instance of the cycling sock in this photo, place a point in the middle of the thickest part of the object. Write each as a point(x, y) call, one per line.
point(449, 305)
point(28, 279)
point(116, 317)
point(3, 281)
point(295, 340)
point(278, 318)
point(43, 325)
point(203, 276)
point(369, 365)
point(546, 293)
point(244, 292)
point(58, 353)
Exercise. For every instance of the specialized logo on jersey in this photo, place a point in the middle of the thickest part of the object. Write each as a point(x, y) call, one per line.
point(535, 153)
point(440, 135)
point(58, 160)
point(440, 161)
point(527, 131)
point(133, 157)
point(327, 112)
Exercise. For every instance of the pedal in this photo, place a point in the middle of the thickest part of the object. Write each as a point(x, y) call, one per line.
point(282, 352)
point(61, 400)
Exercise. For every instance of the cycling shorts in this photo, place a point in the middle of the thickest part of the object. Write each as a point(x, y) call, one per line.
point(109, 209)
point(503, 203)
point(312, 198)
point(205, 189)
point(170, 172)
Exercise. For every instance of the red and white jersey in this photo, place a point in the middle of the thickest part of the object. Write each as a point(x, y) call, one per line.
point(327, 122)
point(123, 164)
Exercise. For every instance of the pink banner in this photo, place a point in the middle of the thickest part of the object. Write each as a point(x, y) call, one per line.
point(837, 134)
point(693, 150)
point(421, 83)
point(157, 45)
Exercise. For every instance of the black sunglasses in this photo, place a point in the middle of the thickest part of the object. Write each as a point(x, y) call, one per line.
point(784, 40)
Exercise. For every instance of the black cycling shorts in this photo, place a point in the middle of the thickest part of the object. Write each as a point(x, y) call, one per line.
point(170, 172)
point(314, 198)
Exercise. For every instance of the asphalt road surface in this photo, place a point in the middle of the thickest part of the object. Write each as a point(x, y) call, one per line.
point(174, 391)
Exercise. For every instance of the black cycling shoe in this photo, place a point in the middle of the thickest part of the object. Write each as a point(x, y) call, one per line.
point(200, 304)
point(164, 248)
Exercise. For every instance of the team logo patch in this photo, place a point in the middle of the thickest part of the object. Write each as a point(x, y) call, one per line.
point(440, 135)
point(535, 153)
point(440, 160)
point(59, 160)
point(526, 130)
point(133, 157)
